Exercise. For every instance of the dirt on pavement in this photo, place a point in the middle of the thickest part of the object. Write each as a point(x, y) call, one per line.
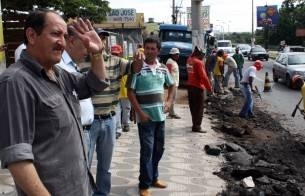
point(258, 147)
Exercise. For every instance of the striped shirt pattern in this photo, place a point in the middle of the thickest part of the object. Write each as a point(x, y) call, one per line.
point(148, 85)
point(107, 100)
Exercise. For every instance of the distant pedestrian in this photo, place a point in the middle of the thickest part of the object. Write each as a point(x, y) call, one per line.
point(239, 59)
point(198, 82)
point(218, 72)
point(210, 64)
point(146, 94)
point(124, 105)
point(41, 139)
point(173, 68)
point(232, 68)
point(247, 89)
point(286, 48)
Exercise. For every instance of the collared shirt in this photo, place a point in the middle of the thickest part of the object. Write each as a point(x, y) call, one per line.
point(18, 51)
point(148, 85)
point(86, 106)
point(106, 101)
point(41, 123)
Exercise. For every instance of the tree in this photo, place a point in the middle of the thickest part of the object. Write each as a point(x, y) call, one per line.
point(291, 17)
point(95, 10)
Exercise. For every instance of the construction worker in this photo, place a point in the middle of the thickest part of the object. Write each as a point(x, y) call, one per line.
point(246, 88)
point(299, 84)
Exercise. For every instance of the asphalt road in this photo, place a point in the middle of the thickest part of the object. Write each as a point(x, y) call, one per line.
point(280, 101)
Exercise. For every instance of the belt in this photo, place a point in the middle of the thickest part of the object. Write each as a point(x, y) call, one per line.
point(86, 127)
point(104, 116)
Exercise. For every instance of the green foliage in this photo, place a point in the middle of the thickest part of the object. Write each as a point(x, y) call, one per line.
point(95, 10)
point(292, 17)
point(243, 37)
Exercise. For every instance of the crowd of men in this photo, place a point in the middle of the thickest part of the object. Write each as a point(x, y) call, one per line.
point(56, 113)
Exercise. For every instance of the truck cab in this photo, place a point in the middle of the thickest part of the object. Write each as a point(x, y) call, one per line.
point(178, 36)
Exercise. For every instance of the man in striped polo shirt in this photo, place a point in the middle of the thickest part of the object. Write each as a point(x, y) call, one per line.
point(103, 129)
point(146, 93)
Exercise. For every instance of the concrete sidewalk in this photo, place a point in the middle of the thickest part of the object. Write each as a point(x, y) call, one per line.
point(185, 166)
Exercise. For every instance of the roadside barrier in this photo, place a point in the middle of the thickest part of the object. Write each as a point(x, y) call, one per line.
point(267, 85)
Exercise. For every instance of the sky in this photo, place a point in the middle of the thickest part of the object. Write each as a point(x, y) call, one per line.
point(226, 15)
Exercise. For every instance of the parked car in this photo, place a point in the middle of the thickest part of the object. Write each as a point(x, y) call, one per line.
point(229, 51)
point(258, 53)
point(244, 48)
point(288, 64)
point(293, 49)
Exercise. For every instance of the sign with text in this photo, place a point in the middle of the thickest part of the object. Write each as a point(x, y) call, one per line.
point(122, 15)
point(205, 17)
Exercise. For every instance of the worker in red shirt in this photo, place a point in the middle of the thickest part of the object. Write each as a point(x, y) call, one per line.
point(198, 82)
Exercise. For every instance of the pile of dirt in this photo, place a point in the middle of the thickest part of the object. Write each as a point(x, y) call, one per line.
point(258, 147)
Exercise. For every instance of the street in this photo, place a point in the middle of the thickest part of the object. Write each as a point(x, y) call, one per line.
point(280, 101)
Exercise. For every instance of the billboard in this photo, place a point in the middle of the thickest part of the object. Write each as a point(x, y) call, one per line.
point(267, 15)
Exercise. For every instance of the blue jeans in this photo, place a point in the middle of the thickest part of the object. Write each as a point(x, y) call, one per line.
point(151, 136)
point(227, 77)
point(102, 134)
point(240, 71)
point(247, 109)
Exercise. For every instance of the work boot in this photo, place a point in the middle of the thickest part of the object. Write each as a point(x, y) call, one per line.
point(144, 192)
point(126, 129)
point(160, 184)
point(198, 130)
point(117, 135)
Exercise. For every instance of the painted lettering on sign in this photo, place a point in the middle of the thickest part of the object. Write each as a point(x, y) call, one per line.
point(122, 15)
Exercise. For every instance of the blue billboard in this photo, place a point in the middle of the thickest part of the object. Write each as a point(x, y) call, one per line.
point(267, 15)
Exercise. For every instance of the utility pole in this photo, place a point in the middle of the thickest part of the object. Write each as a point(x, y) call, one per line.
point(174, 19)
point(252, 35)
point(175, 13)
point(197, 29)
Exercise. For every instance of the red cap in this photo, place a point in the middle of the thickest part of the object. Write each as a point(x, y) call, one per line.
point(258, 64)
point(116, 49)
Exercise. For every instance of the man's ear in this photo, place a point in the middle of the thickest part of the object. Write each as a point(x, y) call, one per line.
point(31, 35)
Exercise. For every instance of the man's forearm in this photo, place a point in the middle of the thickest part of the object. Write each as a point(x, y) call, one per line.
point(26, 178)
point(170, 94)
point(98, 66)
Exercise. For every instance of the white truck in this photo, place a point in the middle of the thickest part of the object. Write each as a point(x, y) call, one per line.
point(226, 46)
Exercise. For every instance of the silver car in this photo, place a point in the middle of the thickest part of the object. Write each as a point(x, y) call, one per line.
point(286, 65)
